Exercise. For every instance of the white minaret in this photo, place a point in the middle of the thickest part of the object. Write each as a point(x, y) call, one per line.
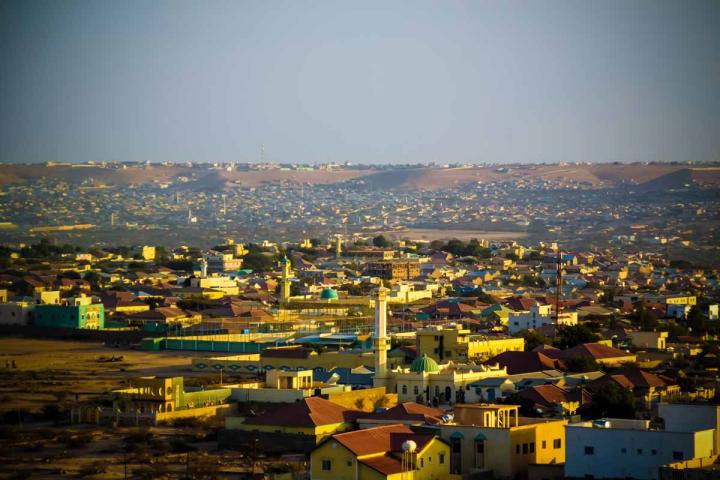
point(203, 268)
point(381, 340)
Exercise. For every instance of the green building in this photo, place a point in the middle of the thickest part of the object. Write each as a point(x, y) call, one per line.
point(91, 316)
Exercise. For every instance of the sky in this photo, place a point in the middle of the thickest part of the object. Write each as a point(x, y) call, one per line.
point(361, 82)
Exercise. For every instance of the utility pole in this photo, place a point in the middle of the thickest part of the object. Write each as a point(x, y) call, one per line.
point(558, 287)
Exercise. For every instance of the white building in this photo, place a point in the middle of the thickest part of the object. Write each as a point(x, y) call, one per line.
point(537, 316)
point(618, 448)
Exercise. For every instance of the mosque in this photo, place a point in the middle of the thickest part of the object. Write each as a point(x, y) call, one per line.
point(425, 381)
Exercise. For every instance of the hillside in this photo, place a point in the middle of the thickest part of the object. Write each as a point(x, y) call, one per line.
point(651, 176)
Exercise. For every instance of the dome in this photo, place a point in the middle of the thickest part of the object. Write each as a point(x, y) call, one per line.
point(328, 294)
point(424, 364)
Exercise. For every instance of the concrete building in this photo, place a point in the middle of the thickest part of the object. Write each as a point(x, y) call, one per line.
point(79, 312)
point(219, 262)
point(536, 317)
point(394, 269)
point(453, 343)
point(652, 340)
point(619, 448)
point(393, 452)
point(493, 441)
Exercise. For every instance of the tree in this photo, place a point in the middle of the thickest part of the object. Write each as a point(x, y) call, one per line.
point(696, 320)
point(380, 241)
point(644, 319)
point(258, 262)
point(573, 335)
point(611, 400)
point(582, 364)
point(534, 339)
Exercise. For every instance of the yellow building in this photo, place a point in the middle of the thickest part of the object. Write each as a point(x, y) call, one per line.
point(148, 253)
point(494, 439)
point(453, 343)
point(392, 452)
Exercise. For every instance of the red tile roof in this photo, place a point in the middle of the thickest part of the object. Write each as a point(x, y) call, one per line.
point(383, 439)
point(309, 412)
point(385, 464)
point(597, 351)
point(411, 411)
point(526, 362)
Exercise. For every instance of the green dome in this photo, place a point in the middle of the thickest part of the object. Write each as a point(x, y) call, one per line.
point(329, 294)
point(424, 364)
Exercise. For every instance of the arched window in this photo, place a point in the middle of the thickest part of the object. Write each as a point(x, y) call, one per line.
point(416, 390)
point(404, 389)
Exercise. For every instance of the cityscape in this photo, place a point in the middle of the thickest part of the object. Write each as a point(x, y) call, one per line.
point(330, 241)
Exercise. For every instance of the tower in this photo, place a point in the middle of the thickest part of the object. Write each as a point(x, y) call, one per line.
point(338, 246)
point(285, 283)
point(203, 268)
point(558, 291)
point(381, 340)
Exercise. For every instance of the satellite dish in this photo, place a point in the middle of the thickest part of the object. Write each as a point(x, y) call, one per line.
point(333, 379)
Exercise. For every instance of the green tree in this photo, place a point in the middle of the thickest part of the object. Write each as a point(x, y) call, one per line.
point(611, 400)
point(573, 335)
point(534, 339)
point(582, 364)
point(696, 320)
point(259, 262)
point(644, 319)
point(380, 241)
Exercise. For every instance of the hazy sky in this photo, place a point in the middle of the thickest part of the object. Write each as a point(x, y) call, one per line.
point(363, 81)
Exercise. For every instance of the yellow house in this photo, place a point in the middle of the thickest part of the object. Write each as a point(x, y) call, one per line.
point(494, 439)
point(453, 343)
point(392, 452)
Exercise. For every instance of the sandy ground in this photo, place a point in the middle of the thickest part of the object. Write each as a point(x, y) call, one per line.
point(56, 370)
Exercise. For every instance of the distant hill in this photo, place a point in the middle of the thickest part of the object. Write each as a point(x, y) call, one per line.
point(652, 176)
point(682, 179)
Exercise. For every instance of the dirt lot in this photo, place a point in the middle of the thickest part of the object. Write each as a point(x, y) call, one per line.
point(57, 370)
point(38, 442)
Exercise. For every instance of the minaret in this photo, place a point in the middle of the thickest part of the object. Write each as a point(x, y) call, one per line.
point(381, 340)
point(285, 283)
point(203, 268)
point(338, 246)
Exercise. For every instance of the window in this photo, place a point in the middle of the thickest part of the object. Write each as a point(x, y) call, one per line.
point(422, 462)
point(525, 448)
point(544, 444)
point(589, 450)
point(557, 443)
point(532, 447)
point(326, 465)
point(639, 451)
point(441, 459)
point(404, 389)
point(623, 450)
point(678, 456)
point(349, 463)
point(653, 452)
point(416, 390)
point(448, 353)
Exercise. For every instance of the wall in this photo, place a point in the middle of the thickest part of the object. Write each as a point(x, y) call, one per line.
point(339, 457)
point(683, 418)
point(644, 451)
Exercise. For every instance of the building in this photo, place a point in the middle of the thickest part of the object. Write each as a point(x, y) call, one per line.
point(305, 423)
point(651, 340)
point(166, 394)
point(147, 252)
point(219, 262)
point(393, 452)
point(399, 269)
point(454, 343)
point(536, 317)
point(216, 282)
point(16, 313)
point(620, 448)
point(425, 380)
point(80, 312)
point(683, 417)
point(493, 441)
